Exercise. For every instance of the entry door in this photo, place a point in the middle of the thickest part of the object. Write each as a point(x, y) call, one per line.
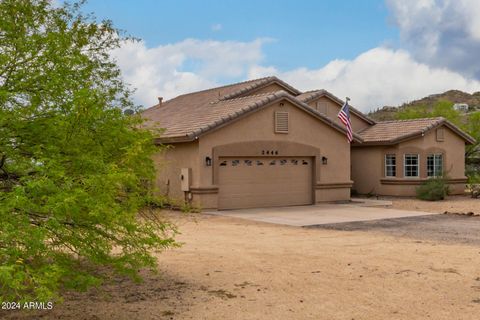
point(264, 182)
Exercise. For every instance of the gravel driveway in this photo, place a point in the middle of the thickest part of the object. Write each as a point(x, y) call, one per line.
point(459, 229)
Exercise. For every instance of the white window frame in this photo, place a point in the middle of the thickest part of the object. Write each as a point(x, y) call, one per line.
point(435, 155)
point(394, 166)
point(405, 165)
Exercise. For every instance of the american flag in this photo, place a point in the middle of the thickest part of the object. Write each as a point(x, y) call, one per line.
point(344, 116)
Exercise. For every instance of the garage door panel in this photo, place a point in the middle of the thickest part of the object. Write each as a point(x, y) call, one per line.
point(264, 182)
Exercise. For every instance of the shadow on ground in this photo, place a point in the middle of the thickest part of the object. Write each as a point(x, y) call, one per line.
point(458, 229)
point(159, 296)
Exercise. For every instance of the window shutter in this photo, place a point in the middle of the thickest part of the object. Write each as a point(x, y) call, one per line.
point(281, 122)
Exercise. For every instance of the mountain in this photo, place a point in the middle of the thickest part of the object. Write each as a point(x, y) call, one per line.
point(455, 96)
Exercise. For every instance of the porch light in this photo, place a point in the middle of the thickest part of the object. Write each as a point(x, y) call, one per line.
point(324, 160)
point(208, 161)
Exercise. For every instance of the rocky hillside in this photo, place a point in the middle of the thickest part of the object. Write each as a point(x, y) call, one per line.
point(455, 96)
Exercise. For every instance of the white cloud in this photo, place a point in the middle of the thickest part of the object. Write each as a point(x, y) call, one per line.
point(216, 27)
point(189, 65)
point(378, 77)
point(442, 33)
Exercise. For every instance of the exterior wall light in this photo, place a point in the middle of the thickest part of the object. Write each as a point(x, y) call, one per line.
point(208, 161)
point(324, 160)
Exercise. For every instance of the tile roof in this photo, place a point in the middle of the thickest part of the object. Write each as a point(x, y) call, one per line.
point(307, 96)
point(219, 93)
point(314, 94)
point(187, 116)
point(390, 132)
point(185, 122)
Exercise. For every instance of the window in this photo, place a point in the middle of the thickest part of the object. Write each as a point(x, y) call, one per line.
point(411, 165)
point(434, 165)
point(281, 122)
point(390, 165)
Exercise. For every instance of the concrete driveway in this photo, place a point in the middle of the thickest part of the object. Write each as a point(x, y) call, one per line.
point(321, 213)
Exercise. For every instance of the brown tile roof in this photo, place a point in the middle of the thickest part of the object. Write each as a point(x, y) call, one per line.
point(185, 122)
point(391, 132)
point(187, 116)
point(314, 94)
point(258, 84)
point(307, 96)
point(219, 93)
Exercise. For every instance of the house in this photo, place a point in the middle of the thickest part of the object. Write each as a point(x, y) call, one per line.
point(462, 107)
point(264, 143)
point(397, 156)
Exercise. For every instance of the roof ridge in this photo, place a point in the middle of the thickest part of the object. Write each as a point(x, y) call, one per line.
point(206, 90)
point(248, 88)
point(314, 90)
point(411, 120)
point(259, 84)
point(224, 86)
point(270, 93)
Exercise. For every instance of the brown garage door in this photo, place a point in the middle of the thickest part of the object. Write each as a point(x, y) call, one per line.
point(264, 182)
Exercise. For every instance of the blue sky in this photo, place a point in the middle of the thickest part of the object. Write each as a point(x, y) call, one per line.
point(304, 34)
point(377, 52)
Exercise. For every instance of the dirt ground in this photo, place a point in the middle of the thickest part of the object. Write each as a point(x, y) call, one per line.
point(237, 269)
point(442, 228)
point(457, 204)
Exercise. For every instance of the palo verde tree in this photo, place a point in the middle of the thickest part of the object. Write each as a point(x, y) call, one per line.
point(75, 171)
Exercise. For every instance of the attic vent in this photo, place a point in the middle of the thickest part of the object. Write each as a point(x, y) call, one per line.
point(440, 134)
point(322, 107)
point(281, 122)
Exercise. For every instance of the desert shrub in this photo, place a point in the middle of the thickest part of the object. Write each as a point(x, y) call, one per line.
point(473, 185)
point(474, 190)
point(433, 189)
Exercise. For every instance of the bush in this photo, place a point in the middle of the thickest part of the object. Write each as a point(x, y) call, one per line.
point(433, 189)
point(473, 185)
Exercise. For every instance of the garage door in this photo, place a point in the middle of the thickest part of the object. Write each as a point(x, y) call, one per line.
point(264, 182)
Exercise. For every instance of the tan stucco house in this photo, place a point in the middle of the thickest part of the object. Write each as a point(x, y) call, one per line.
point(263, 143)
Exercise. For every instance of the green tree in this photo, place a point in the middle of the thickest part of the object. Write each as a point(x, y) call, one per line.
point(75, 171)
point(442, 108)
point(472, 126)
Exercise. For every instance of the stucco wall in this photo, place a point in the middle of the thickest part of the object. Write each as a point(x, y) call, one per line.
point(168, 165)
point(368, 171)
point(331, 108)
point(304, 129)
